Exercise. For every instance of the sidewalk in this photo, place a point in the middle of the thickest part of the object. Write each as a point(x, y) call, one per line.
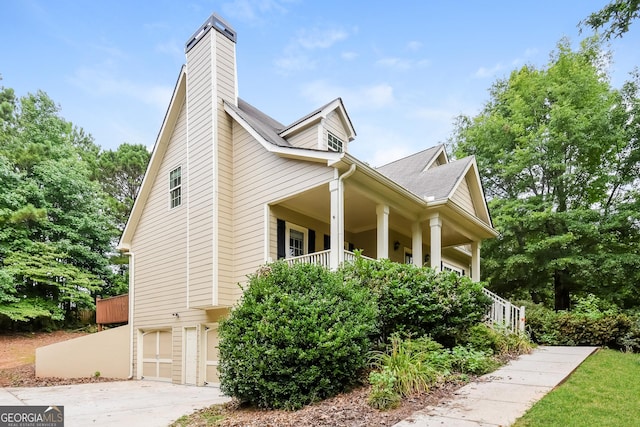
point(503, 396)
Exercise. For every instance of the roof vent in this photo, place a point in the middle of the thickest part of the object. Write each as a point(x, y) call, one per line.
point(216, 22)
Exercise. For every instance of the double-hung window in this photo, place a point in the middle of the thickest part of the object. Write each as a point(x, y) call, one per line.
point(175, 187)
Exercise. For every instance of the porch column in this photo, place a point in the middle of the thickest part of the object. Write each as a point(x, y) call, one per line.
point(336, 212)
point(382, 212)
point(475, 261)
point(435, 222)
point(416, 243)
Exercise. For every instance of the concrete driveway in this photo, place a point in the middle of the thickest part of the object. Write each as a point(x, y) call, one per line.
point(121, 403)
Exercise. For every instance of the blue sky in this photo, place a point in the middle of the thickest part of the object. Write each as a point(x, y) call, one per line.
point(405, 69)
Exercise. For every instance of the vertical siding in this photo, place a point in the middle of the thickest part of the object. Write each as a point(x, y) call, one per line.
point(262, 177)
point(462, 197)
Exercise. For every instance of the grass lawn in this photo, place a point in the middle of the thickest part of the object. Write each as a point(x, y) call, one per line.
point(604, 391)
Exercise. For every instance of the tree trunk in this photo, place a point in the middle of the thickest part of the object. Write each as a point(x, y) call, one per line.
point(562, 296)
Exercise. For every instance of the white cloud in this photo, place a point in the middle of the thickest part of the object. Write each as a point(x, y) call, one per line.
point(484, 72)
point(348, 56)
point(252, 11)
point(379, 145)
point(295, 63)
point(295, 56)
point(320, 38)
point(414, 45)
point(402, 64)
point(171, 48)
point(357, 98)
point(98, 82)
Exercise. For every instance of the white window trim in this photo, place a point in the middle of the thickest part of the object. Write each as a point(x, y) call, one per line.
point(409, 252)
point(305, 244)
point(452, 268)
point(340, 141)
point(171, 189)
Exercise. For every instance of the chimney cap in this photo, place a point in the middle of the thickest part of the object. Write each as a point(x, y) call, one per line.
point(216, 22)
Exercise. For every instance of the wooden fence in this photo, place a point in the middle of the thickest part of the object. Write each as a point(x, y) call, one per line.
point(112, 310)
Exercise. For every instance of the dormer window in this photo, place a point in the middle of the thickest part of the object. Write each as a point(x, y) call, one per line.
point(334, 143)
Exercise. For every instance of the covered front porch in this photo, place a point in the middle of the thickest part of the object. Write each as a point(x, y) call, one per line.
point(357, 210)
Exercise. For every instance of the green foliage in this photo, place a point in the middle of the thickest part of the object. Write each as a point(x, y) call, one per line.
point(408, 361)
point(414, 365)
point(418, 301)
point(558, 151)
point(56, 230)
point(299, 334)
point(590, 326)
point(615, 18)
point(468, 360)
point(495, 340)
point(120, 173)
point(383, 394)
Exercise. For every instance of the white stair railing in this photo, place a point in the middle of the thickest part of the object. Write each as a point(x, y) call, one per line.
point(503, 313)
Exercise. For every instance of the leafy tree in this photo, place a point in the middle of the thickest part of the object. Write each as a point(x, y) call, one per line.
point(54, 234)
point(120, 173)
point(557, 150)
point(615, 18)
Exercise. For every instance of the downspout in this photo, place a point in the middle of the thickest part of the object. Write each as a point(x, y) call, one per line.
point(341, 179)
point(131, 297)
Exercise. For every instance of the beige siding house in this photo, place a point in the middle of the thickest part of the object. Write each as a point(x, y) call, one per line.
point(229, 188)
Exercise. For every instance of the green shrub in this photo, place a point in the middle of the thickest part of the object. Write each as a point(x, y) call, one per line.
point(417, 301)
point(299, 334)
point(496, 340)
point(588, 325)
point(383, 393)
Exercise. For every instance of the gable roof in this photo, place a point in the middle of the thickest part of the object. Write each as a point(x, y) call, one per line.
point(438, 183)
point(319, 114)
point(411, 165)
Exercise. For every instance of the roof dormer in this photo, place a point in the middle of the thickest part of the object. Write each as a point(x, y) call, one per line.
point(328, 129)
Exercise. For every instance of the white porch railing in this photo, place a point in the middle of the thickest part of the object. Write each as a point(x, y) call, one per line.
point(321, 258)
point(503, 313)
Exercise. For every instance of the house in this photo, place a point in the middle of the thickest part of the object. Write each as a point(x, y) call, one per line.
point(229, 188)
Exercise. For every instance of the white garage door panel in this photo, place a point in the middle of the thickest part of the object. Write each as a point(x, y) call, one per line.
point(156, 355)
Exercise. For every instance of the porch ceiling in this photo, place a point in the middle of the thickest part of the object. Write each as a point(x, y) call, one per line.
point(360, 214)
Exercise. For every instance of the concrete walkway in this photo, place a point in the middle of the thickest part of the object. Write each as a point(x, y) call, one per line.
point(501, 397)
point(120, 403)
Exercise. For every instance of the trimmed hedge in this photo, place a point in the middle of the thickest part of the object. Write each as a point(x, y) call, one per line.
point(300, 334)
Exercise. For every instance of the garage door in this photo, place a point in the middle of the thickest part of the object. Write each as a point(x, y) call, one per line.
point(212, 356)
point(156, 355)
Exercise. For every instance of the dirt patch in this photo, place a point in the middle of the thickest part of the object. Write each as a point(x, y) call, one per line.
point(18, 357)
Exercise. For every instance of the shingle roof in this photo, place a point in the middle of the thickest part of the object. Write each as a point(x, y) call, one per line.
point(437, 182)
point(308, 116)
point(266, 126)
